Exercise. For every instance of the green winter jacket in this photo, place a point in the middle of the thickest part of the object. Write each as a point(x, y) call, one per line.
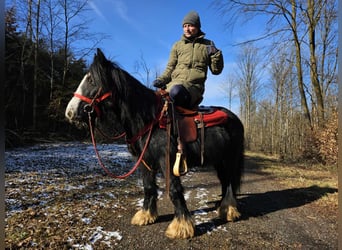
point(188, 65)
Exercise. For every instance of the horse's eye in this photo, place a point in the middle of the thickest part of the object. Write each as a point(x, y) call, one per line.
point(91, 81)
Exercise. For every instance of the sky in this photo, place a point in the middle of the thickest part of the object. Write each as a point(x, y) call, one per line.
point(149, 28)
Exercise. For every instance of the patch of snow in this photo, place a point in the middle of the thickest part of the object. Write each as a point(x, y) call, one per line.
point(105, 236)
point(86, 220)
point(187, 195)
point(160, 194)
point(70, 187)
point(81, 247)
point(14, 205)
point(66, 156)
point(200, 212)
point(36, 175)
point(111, 195)
point(202, 193)
point(140, 202)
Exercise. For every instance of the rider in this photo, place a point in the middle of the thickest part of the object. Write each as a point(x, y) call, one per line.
point(188, 64)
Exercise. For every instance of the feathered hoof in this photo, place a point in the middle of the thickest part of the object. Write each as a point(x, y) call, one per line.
point(180, 228)
point(230, 214)
point(233, 214)
point(143, 217)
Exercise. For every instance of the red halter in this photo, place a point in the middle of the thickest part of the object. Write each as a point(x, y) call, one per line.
point(93, 102)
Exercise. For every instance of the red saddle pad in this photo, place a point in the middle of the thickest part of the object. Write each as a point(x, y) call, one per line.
point(213, 118)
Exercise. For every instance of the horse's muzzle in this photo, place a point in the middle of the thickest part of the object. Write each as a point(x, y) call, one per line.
point(69, 114)
point(72, 111)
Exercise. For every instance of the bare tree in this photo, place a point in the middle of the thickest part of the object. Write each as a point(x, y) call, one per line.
point(31, 42)
point(71, 10)
point(326, 54)
point(248, 80)
point(299, 22)
point(36, 64)
point(25, 10)
point(75, 28)
point(143, 70)
point(55, 25)
point(230, 87)
point(284, 108)
point(52, 24)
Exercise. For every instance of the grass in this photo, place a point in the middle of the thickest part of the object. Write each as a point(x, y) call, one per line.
point(297, 175)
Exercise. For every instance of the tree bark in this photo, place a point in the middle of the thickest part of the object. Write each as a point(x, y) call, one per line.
point(297, 42)
point(312, 23)
point(36, 68)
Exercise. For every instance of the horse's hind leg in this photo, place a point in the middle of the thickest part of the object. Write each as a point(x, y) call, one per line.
point(182, 226)
point(228, 207)
point(148, 214)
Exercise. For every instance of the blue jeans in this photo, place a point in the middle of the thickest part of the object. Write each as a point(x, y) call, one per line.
point(180, 96)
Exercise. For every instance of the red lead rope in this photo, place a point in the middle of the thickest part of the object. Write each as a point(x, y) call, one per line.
point(136, 164)
point(146, 129)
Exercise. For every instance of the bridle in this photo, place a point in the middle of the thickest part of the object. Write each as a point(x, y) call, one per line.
point(89, 109)
point(92, 103)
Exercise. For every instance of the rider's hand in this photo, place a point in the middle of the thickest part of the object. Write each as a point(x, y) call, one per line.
point(159, 84)
point(211, 49)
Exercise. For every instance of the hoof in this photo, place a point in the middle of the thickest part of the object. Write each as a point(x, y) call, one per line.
point(180, 229)
point(230, 214)
point(143, 217)
point(233, 214)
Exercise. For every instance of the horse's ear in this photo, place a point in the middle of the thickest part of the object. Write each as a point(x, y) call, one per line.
point(100, 56)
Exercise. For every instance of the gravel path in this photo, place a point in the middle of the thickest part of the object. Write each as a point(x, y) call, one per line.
point(57, 197)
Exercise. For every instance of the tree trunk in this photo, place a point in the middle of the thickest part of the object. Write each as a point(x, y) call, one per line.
point(36, 67)
point(66, 42)
point(304, 103)
point(312, 22)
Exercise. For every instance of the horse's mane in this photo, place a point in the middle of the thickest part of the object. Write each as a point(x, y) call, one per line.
point(130, 95)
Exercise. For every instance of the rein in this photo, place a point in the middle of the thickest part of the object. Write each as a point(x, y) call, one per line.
point(148, 128)
point(111, 137)
point(99, 158)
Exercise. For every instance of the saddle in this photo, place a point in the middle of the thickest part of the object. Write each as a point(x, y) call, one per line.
point(190, 121)
point(186, 124)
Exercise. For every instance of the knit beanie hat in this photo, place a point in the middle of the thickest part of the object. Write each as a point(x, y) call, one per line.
point(192, 18)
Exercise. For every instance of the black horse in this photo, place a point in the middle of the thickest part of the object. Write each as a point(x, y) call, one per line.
point(122, 104)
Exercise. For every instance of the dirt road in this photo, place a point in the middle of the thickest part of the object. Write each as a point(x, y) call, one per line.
point(57, 208)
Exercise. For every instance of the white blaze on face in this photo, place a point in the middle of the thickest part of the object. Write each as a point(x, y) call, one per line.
point(72, 108)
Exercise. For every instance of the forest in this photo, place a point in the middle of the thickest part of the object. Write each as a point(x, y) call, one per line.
point(297, 121)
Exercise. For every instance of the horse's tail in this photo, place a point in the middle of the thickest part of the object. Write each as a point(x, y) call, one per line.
point(236, 130)
point(239, 166)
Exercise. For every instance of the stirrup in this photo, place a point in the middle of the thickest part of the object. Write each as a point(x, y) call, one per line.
point(176, 166)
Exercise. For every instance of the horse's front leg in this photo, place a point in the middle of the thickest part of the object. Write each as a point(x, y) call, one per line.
point(182, 226)
point(148, 214)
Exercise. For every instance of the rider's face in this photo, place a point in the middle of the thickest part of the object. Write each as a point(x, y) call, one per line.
point(189, 30)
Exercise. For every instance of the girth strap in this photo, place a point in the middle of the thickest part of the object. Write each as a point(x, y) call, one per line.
point(201, 127)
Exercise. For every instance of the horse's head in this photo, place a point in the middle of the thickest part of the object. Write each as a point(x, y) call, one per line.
point(93, 97)
point(112, 98)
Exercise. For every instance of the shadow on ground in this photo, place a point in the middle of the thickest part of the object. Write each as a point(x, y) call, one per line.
point(260, 204)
